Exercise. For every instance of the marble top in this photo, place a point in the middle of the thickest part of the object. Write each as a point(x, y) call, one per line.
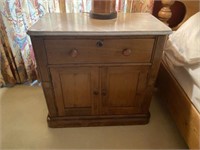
point(81, 24)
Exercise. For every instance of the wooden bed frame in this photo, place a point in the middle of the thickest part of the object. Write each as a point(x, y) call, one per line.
point(185, 115)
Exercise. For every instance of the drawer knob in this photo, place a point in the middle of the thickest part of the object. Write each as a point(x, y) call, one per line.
point(127, 52)
point(96, 92)
point(99, 43)
point(74, 53)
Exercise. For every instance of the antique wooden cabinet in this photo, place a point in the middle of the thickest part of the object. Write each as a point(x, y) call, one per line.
point(98, 72)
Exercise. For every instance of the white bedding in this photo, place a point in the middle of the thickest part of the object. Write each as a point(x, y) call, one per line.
point(186, 78)
point(194, 72)
point(182, 54)
point(171, 54)
point(183, 45)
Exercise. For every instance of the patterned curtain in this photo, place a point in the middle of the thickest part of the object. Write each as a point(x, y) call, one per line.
point(16, 52)
point(125, 6)
point(17, 61)
point(129, 6)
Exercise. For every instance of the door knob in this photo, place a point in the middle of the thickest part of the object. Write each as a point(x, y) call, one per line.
point(96, 92)
point(74, 52)
point(127, 52)
point(99, 43)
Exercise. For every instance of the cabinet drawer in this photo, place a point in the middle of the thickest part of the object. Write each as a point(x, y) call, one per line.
point(98, 51)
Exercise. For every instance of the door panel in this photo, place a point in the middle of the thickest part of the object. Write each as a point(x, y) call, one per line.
point(73, 95)
point(74, 89)
point(122, 89)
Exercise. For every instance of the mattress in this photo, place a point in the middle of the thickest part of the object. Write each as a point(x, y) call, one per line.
point(186, 79)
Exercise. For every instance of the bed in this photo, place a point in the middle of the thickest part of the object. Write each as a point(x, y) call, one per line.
point(178, 79)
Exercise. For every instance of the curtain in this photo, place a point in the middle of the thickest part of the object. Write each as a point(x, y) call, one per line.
point(7, 63)
point(16, 52)
point(17, 61)
point(121, 6)
point(128, 6)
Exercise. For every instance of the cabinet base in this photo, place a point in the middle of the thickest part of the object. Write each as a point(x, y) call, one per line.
point(59, 122)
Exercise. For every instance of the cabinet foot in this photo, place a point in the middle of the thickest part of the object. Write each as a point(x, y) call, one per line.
point(86, 121)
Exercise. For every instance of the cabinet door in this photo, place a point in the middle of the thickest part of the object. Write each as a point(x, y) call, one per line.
point(122, 89)
point(76, 90)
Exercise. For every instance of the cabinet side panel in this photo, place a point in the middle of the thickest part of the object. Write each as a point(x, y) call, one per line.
point(40, 55)
point(41, 59)
point(49, 95)
point(156, 59)
point(58, 91)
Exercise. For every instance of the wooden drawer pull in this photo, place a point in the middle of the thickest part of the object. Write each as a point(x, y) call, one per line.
point(96, 92)
point(74, 53)
point(127, 52)
point(99, 43)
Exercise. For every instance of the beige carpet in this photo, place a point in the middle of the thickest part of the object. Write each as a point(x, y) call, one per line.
point(23, 126)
